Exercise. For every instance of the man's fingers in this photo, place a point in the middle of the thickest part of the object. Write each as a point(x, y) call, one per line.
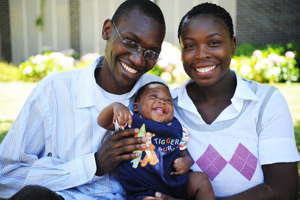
point(123, 134)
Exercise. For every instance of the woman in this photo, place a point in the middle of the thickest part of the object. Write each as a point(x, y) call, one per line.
point(241, 132)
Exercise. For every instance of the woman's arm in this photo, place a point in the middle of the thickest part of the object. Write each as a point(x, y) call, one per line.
point(281, 182)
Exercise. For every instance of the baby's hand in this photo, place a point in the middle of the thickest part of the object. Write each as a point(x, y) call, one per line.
point(181, 165)
point(122, 116)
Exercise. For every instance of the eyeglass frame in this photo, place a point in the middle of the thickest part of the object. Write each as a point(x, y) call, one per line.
point(136, 46)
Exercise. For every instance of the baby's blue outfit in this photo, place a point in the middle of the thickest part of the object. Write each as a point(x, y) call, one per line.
point(141, 182)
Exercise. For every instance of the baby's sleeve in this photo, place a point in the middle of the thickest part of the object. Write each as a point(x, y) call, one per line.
point(184, 139)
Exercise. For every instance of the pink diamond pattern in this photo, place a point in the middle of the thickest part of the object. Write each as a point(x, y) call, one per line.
point(244, 161)
point(211, 162)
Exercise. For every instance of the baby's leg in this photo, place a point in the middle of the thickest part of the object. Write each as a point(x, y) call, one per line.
point(199, 187)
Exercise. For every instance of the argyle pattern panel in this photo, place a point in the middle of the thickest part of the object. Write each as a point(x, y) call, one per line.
point(212, 163)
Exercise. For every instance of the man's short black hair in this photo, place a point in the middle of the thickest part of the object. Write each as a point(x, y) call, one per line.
point(147, 7)
point(142, 89)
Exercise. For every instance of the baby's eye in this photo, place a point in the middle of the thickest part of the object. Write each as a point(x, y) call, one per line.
point(168, 100)
point(153, 96)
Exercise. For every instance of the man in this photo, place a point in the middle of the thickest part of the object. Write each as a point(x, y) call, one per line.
point(55, 147)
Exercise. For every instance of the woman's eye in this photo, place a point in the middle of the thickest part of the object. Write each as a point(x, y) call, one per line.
point(214, 43)
point(189, 46)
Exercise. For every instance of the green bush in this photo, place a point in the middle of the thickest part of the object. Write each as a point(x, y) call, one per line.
point(39, 66)
point(270, 63)
point(169, 67)
point(267, 65)
point(9, 72)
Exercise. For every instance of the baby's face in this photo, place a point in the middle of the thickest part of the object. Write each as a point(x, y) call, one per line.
point(155, 104)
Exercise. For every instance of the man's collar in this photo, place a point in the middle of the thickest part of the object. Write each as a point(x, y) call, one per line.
point(85, 91)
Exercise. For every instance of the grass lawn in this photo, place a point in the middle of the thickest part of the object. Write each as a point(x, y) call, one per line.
point(14, 94)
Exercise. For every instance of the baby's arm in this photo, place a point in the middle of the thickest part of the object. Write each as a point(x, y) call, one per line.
point(113, 112)
point(182, 164)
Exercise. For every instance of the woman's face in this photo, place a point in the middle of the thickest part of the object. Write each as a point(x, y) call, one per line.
point(206, 49)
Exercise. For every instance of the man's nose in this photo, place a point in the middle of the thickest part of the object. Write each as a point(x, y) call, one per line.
point(138, 59)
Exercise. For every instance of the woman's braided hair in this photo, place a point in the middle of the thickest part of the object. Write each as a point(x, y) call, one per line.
point(207, 9)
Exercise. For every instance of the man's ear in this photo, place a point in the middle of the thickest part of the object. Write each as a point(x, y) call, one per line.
point(135, 107)
point(106, 29)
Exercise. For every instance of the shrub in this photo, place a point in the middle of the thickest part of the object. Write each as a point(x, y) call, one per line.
point(169, 67)
point(267, 66)
point(9, 72)
point(39, 66)
point(272, 63)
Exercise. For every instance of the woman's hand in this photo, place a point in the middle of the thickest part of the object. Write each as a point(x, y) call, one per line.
point(118, 148)
point(160, 196)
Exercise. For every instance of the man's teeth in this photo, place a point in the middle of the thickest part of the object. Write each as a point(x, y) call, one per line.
point(206, 69)
point(131, 70)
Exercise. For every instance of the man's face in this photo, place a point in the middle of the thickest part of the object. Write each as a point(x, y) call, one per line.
point(122, 67)
point(155, 104)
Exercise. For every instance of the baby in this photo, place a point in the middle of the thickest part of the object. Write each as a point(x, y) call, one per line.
point(164, 165)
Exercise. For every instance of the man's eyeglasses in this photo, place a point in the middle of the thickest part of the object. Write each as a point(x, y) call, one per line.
point(134, 47)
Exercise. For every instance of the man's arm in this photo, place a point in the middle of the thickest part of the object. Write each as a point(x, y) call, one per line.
point(26, 152)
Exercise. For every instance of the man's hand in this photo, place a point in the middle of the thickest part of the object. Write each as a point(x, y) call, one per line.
point(118, 148)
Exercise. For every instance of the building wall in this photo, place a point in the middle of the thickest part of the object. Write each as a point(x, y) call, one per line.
point(268, 21)
point(174, 10)
point(94, 12)
point(5, 40)
point(77, 24)
point(26, 39)
point(74, 25)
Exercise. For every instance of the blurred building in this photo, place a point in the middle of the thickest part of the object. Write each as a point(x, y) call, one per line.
point(77, 24)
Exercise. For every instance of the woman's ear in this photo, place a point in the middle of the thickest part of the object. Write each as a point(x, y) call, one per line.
point(135, 107)
point(233, 45)
point(106, 29)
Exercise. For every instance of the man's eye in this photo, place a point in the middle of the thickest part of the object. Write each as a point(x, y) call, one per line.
point(130, 43)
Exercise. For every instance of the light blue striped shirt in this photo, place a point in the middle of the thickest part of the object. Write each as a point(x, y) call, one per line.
point(54, 138)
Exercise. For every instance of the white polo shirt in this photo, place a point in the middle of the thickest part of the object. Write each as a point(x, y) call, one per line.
point(256, 129)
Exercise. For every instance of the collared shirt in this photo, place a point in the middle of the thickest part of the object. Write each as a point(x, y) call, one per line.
point(54, 138)
point(247, 134)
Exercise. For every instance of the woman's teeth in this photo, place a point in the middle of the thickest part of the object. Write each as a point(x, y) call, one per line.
point(129, 69)
point(206, 69)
